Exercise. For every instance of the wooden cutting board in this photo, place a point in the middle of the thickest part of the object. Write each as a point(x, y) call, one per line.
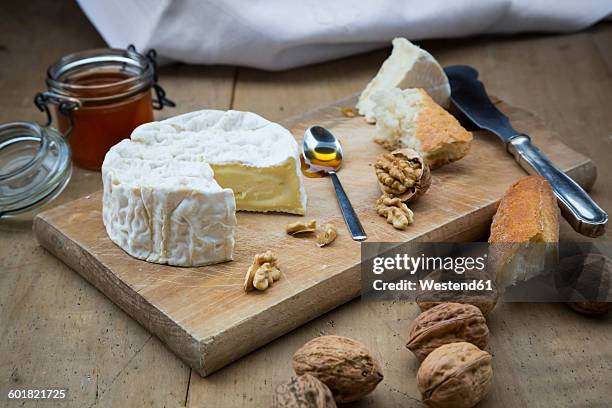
point(203, 314)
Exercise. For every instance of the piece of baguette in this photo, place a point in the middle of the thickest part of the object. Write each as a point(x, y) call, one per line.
point(525, 231)
point(410, 118)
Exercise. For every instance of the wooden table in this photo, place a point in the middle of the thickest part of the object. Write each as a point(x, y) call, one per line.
point(59, 331)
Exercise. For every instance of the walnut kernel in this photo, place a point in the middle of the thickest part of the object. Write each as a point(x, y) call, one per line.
point(397, 213)
point(301, 227)
point(403, 174)
point(262, 273)
point(326, 235)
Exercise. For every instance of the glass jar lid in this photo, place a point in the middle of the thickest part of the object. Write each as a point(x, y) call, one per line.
point(35, 166)
point(125, 73)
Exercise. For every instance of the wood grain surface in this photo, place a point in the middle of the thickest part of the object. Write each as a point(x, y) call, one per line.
point(58, 330)
point(204, 315)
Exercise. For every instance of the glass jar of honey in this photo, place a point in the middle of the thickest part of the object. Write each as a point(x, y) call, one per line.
point(100, 97)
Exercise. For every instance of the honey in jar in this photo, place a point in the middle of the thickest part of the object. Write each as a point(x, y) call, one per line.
point(101, 96)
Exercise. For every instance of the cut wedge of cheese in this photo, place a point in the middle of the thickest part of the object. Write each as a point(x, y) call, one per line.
point(258, 159)
point(410, 118)
point(408, 66)
point(171, 191)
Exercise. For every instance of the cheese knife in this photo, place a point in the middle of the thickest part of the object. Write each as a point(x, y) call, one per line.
point(470, 97)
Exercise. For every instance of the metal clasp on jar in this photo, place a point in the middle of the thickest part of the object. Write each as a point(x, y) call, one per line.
point(160, 94)
point(65, 105)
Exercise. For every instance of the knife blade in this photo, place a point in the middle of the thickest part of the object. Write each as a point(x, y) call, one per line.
point(470, 97)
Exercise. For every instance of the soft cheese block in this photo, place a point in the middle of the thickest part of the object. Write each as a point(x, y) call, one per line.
point(171, 191)
point(410, 118)
point(165, 211)
point(408, 66)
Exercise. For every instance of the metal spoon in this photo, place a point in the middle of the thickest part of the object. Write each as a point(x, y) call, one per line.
point(322, 152)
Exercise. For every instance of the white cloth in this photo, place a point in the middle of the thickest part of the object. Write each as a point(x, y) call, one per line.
point(281, 34)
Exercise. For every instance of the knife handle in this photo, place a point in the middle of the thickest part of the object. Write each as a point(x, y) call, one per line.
point(577, 207)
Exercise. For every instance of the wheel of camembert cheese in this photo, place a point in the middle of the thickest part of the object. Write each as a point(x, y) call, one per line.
point(171, 191)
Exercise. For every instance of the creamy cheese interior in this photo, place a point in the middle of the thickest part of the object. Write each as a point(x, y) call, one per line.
point(273, 188)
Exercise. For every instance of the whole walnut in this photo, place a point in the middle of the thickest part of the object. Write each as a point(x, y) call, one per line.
point(447, 323)
point(455, 375)
point(345, 365)
point(304, 391)
point(590, 279)
point(591, 308)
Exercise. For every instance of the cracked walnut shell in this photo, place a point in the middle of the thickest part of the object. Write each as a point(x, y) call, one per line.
point(301, 227)
point(455, 375)
point(345, 365)
point(447, 323)
point(395, 211)
point(403, 174)
point(304, 391)
point(262, 273)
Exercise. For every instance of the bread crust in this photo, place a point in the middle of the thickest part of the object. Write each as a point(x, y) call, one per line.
point(441, 136)
point(527, 212)
point(525, 233)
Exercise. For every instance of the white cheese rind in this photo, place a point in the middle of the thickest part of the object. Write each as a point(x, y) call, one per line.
point(225, 137)
point(221, 137)
point(167, 212)
point(408, 66)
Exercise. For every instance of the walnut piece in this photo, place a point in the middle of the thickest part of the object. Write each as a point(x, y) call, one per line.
point(301, 227)
point(326, 235)
point(397, 213)
point(262, 273)
point(403, 174)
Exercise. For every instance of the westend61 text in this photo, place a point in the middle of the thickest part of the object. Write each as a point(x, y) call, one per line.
point(432, 285)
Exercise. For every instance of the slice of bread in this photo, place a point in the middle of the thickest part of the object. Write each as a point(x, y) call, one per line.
point(410, 118)
point(525, 231)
